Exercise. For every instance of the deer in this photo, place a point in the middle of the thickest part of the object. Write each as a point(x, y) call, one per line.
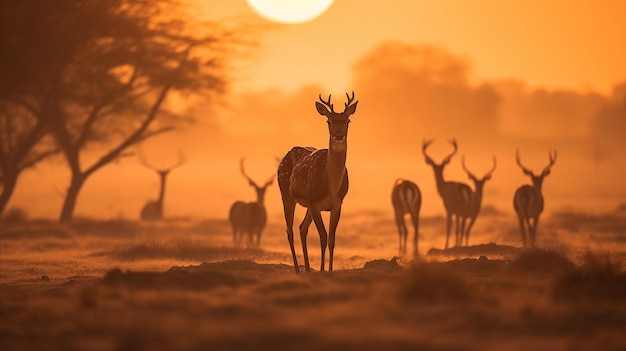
point(473, 208)
point(406, 198)
point(455, 195)
point(528, 200)
point(318, 181)
point(249, 217)
point(153, 210)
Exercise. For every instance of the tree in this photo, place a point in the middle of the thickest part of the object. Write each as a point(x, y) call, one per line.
point(109, 67)
point(21, 146)
point(609, 125)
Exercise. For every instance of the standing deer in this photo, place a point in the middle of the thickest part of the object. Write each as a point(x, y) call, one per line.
point(317, 180)
point(455, 195)
point(249, 217)
point(528, 200)
point(406, 198)
point(153, 209)
point(477, 197)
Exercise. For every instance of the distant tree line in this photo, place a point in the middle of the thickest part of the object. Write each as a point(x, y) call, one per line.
point(81, 74)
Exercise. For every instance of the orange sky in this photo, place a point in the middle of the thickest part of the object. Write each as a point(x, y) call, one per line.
point(572, 49)
point(576, 44)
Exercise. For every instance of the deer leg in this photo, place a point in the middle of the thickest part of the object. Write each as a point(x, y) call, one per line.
point(289, 207)
point(469, 227)
point(258, 238)
point(459, 230)
point(319, 223)
point(522, 228)
point(530, 232)
point(335, 214)
point(448, 224)
point(416, 224)
point(533, 234)
point(304, 231)
point(463, 232)
point(401, 232)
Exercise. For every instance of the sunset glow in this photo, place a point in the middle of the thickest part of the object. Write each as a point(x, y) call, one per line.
point(290, 11)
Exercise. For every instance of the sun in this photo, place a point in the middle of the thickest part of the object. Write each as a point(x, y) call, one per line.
point(290, 11)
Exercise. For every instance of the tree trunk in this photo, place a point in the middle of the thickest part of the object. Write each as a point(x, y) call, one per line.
point(69, 204)
point(8, 186)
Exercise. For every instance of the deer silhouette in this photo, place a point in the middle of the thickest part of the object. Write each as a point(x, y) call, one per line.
point(318, 181)
point(406, 198)
point(249, 217)
point(475, 201)
point(528, 200)
point(153, 210)
point(455, 195)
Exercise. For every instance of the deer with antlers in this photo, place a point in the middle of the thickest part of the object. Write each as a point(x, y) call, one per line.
point(249, 217)
point(475, 201)
point(406, 198)
point(153, 209)
point(528, 200)
point(455, 195)
point(318, 181)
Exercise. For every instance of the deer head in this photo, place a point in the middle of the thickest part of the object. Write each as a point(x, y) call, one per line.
point(260, 190)
point(162, 171)
point(537, 179)
point(337, 122)
point(479, 183)
point(438, 167)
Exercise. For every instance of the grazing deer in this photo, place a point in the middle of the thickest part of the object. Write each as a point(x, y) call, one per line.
point(249, 217)
point(153, 210)
point(528, 200)
point(317, 180)
point(476, 199)
point(455, 195)
point(406, 198)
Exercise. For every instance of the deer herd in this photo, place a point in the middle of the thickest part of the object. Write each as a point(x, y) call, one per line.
point(317, 179)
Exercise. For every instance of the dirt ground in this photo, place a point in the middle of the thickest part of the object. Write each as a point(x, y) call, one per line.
point(181, 285)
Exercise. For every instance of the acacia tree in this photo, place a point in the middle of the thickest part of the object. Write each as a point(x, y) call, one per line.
point(21, 146)
point(109, 67)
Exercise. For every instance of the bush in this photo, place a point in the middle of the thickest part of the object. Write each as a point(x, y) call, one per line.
point(598, 278)
point(542, 261)
point(15, 215)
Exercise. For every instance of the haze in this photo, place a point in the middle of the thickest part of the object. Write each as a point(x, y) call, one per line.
point(497, 76)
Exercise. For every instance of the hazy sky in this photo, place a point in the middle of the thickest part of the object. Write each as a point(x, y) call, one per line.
point(497, 75)
point(574, 44)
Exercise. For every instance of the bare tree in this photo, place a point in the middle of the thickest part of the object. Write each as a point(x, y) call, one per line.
point(23, 144)
point(108, 68)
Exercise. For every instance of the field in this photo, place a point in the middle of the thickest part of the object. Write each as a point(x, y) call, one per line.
point(181, 285)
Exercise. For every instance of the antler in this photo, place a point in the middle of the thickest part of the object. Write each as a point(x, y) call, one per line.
point(469, 174)
point(425, 144)
point(449, 157)
point(350, 99)
point(327, 103)
point(546, 170)
point(243, 172)
point(519, 163)
point(181, 160)
point(490, 172)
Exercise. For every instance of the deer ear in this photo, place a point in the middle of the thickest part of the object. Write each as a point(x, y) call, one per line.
point(321, 109)
point(351, 109)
